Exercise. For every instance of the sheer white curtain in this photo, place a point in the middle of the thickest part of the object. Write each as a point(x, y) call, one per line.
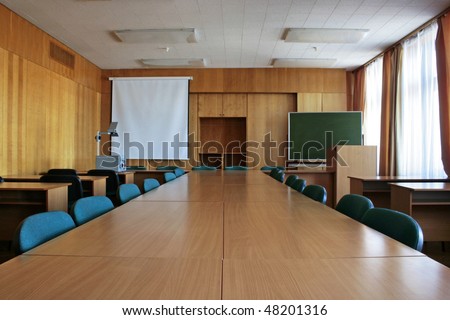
point(419, 143)
point(372, 108)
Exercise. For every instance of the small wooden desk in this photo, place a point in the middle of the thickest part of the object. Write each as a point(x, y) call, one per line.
point(21, 199)
point(126, 176)
point(428, 203)
point(92, 185)
point(378, 189)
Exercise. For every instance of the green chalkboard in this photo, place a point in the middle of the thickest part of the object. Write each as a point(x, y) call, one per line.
point(312, 133)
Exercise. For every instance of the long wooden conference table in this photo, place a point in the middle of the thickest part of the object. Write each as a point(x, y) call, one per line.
point(223, 235)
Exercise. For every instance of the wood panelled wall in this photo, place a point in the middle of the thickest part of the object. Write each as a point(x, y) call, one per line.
point(271, 94)
point(49, 112)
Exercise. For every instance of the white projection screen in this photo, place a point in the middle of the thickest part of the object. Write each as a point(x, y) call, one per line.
point(153, 116)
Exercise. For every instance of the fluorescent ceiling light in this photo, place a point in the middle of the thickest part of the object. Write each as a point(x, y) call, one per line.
point(178, 63)
point(325, 35)
point(157, 35)
point(303, 63)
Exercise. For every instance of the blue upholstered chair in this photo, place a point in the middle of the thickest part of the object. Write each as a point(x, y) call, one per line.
point(396, 225)
point(90, 208)
point(169, 176)
point(290, 180)
point(179, 172)
point(267, 168)
point(127, 192)
point(354, 206)
point(166, 167)
point(204, 168)
point(274, 172)
point(299, 185)
point(279, 176)
point(316, 192)
point(150, 184)
point(39, 228)
point(235, 168)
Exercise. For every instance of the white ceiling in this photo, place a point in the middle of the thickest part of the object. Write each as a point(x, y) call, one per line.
point(233, 33)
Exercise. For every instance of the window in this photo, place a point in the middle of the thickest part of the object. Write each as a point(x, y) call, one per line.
point(372, 108)
point(417, 118)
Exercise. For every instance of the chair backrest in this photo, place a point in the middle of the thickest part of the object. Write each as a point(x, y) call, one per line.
point(166, 167)
point(64, 172)
point(279, 176)
point(169, 176)
point(290, 180)
point(39, 228)
point(127, 192)
point(179, 172)
point(267, 168)
point(88, 208)
point(204, 168)
point(316, 192)
point(75, 190)
point(299, 185)
point(354, 205)
point(133, 168)
point(396, 225)
point(112, 182)
point(274, 172)
point(235, 168)
point(150, 184)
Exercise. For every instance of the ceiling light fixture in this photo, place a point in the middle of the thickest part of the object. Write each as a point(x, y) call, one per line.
point(188, 35)
point(324, 35)
point(303, 63)
point(173, 63)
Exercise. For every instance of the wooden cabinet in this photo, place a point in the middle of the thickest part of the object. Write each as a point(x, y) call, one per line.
point(222, 105)
point(222, 141)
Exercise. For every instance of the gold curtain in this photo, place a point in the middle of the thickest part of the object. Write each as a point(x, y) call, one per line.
point(443, 69)
point(389, 101)
point(359, 92)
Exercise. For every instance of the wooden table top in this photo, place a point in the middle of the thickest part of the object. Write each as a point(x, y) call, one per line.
point(285, 230)
point(32, 186)
point(423, 186)
point(36, 177)
point(223, 235)
point(146, 229)
point(400, 178)
point(327, 279)
point(66, 277)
